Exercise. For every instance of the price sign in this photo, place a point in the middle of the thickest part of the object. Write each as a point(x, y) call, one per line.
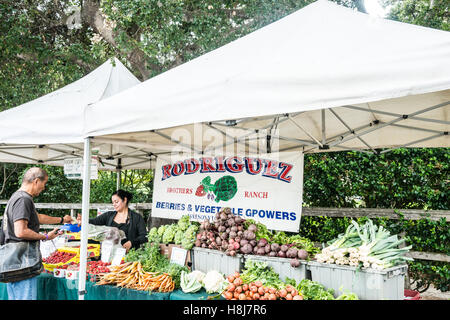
point(178, 256)
point(73, 168)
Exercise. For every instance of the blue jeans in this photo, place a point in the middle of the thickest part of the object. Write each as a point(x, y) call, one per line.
point(22, 290)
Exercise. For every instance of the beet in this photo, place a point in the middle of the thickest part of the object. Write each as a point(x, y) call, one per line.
point(240, 234)
point(261, 251)
point(232, 253)
point(224, 245)
point(234, 228)
point(249, 235)
point(222, 229)
point(262, 242)
point(275, 247)
point(243, 242)
point(284, 248)
point(252, 228)
point(272, 254)
point(295, 263)
point(232, 234)
point(302, 254)
point(281, 254)
point(255, 249)
point(230, 222)
point(223, 216)
point(230, 246)
point(253, 243)
point(198, 243)
point(224, 235)
point(291, 253)
point(267, 248)
point(246, 248)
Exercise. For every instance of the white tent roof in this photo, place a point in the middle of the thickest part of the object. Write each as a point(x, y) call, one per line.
point(55, 122)
point(326, 77)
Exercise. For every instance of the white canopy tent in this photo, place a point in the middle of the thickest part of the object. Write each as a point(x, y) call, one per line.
point(325, 78)
point(49, 129)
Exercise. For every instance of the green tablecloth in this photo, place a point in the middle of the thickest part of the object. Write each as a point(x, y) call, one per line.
point(51, 288)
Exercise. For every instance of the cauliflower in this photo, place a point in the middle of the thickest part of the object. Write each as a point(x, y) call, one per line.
point(214, 281)
point(198, 275)
point(153, 235)
point(169, 234)
point(189, 282)
point(189, 237)
point(183, 223)
point(161, 230)
point(179, 236)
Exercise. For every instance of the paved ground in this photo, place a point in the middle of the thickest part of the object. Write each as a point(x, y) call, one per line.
point(434, 294)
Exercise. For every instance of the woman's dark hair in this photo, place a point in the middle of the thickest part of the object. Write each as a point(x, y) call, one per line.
point(122, 194)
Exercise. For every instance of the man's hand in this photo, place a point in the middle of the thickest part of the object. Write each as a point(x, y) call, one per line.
point(67, 219)
point(53, 234)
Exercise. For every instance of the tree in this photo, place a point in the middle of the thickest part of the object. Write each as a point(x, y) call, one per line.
point(426, 13)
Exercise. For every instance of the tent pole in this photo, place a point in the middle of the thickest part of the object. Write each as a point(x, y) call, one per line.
point(307, 133)
point(324, 140)
point(414, 142)
point(119, 173)
point(350, 130)
point(385, 124)
point(84, 218)
point(410, 116)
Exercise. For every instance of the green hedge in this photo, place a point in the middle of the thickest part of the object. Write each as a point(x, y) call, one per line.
point(401, 179)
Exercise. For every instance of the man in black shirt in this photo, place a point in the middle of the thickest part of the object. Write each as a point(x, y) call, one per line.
point(23, 223)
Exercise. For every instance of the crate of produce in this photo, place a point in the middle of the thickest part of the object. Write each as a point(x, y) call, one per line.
point(59, 258)
point(283, 267)
point(366, 283)
point(93, 249)
point(208, 259)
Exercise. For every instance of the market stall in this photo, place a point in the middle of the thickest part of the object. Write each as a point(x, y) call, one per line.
point(298, 85)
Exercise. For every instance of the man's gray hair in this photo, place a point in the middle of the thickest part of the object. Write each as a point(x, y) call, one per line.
point(34, 173)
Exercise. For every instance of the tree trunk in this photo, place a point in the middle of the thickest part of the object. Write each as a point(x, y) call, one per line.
point(91, 14)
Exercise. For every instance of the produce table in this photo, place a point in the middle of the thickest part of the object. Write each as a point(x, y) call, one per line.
point(51, 288)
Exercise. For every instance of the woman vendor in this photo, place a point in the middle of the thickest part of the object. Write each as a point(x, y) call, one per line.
point(123, 218)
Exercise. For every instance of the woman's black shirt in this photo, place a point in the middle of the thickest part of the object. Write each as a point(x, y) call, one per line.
point(135, 229)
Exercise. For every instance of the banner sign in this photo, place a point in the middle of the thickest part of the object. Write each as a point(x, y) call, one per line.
point(265, 188)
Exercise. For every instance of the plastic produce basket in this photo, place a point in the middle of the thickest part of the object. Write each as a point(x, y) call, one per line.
point(207, 259)
point(283, 267)
point(93, 250)
point(368, 284)
point(49, 267)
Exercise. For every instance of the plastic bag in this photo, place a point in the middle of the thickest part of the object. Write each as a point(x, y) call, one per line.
point(101, 233)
